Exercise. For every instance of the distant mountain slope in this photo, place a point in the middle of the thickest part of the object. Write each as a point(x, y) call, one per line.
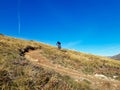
point(117, 57)
point(30, 65)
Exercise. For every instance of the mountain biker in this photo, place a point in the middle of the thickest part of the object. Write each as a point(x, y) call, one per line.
point(58, 44)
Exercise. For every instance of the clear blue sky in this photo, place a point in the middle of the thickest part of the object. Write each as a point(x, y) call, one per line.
point(91, 26)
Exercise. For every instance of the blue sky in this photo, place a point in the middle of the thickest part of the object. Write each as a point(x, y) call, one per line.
point(91, 26)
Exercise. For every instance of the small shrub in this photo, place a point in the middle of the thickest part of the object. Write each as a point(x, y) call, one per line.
point(88, 70)
point(118, 78)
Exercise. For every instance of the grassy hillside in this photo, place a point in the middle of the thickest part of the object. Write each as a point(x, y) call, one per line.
point(19, 73)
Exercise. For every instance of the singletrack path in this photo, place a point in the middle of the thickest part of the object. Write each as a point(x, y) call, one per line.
point(38, 59)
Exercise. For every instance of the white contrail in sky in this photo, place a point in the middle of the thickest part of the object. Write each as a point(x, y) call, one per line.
point(19, 25)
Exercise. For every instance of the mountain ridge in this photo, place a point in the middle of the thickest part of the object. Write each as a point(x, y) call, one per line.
point(117, 57)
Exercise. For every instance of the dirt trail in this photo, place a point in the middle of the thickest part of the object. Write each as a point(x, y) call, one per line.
point(37, 58)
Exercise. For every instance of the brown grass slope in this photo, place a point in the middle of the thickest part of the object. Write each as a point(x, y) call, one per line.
point(48, 68)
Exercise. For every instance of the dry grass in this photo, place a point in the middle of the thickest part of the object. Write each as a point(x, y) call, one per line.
point(89, 64)
point(17, 73)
